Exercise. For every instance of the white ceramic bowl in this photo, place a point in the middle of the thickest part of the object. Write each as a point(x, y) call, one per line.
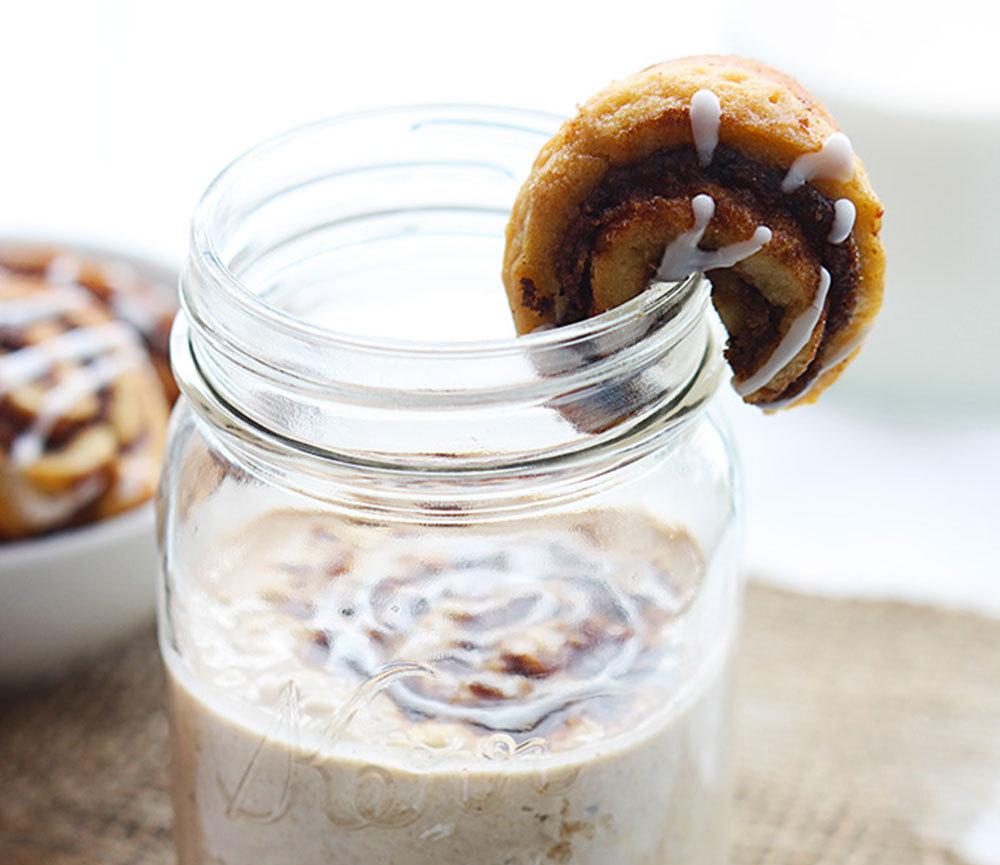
point(66, 595)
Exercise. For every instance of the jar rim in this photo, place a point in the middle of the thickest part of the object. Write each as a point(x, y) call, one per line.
point(283, 205)
point(658, 294)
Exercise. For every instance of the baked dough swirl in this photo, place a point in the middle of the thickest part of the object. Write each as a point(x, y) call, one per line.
point(714, 164)
point(83, 394)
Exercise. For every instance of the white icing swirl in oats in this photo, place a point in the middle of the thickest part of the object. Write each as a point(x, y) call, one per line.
point(515, 632)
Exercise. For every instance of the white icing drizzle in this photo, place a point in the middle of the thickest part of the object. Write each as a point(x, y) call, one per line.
point(27, 364)
point(129, 298)
point(838, 358)
point(835, 161)
point(32, 308)
point(40, 509)
point(682, 257)
point(845, 352)
point(794, 340)
point(705, 111)
point(114, 349)
point(63, 270)
point(28, 446)
point(132, 478)
point(542, 591)
point(137, 302)
point(844, 214)
point(137, 311)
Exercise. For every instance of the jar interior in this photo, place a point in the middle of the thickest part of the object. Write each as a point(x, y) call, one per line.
point(414, 278)
point(399, 212)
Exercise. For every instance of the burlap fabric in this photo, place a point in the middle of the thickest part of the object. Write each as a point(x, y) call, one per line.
point(869, 733)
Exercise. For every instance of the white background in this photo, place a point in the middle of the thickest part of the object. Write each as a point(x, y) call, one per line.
point(115, 115)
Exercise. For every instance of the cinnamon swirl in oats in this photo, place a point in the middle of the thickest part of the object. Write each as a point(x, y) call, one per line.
point(713, 164)
point(550, 707)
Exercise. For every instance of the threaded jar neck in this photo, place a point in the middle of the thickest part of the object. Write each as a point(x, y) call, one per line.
point(309, 251)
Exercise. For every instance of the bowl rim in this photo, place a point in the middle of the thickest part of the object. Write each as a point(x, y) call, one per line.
point(155, 266)
point(35, 550)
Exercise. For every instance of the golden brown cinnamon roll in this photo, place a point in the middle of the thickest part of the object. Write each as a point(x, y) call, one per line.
point(713, 164)
point(83, 411)
point(147, 307)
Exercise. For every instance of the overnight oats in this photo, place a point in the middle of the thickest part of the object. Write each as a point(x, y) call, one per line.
point(436, 594)
point(363, 695)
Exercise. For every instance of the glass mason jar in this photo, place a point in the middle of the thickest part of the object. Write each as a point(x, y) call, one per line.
point(432, 593)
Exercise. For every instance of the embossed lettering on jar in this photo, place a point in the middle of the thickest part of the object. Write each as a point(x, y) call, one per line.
point(429, 597)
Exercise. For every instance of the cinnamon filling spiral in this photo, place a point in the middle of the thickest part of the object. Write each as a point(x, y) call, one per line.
point(657, 192)
point(511, 635)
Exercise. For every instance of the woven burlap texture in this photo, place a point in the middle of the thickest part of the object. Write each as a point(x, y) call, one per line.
point(868, 733)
